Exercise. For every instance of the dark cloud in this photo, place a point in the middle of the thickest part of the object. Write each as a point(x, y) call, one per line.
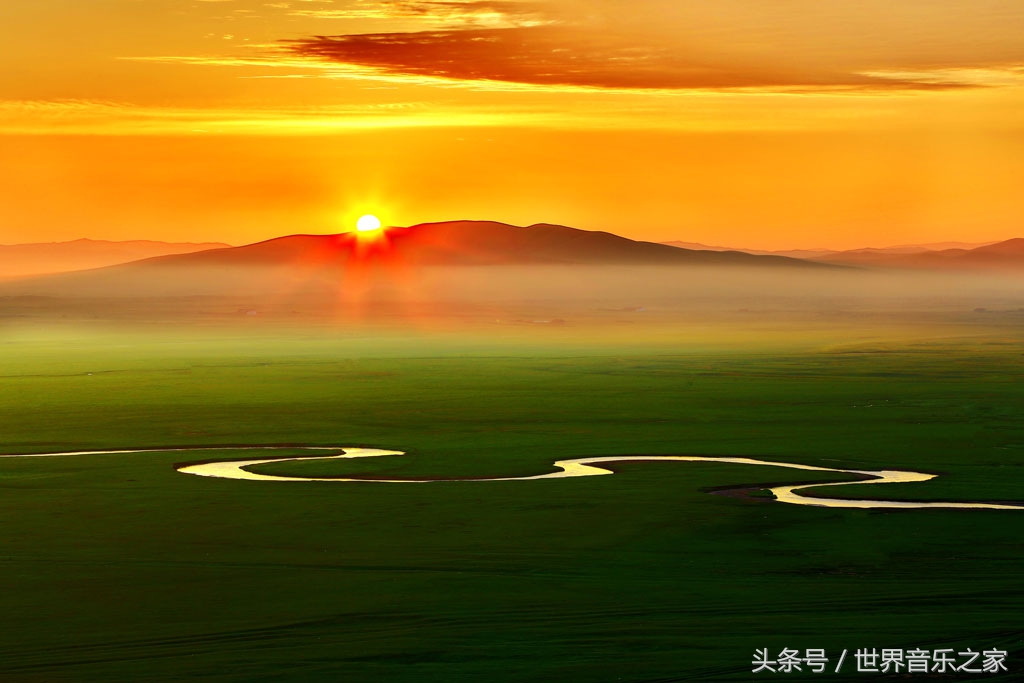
point(568, 56)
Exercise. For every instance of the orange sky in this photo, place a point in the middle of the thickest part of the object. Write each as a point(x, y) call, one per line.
point(794, 123)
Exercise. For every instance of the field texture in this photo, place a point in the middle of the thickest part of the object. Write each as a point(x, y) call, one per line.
point(118, 568)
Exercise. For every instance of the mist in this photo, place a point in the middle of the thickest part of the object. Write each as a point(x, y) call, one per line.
point(590, 299)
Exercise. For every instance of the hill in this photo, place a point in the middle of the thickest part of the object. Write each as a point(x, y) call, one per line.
point(21, 260)
point(864, 255)
point(1006, 255)
point(464, 243)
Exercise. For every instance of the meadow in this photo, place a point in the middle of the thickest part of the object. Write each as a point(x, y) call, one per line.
point(119, 568)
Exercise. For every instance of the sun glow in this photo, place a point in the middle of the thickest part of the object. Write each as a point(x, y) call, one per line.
point(368, 223)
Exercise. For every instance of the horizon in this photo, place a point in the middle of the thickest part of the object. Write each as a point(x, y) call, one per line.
point(214, 241)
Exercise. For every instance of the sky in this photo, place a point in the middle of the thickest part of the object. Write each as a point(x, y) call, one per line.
point(768, 125)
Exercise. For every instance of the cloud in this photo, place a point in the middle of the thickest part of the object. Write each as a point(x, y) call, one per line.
point(64, 117)
point(573, 56)
point(662, 46)
point(789, 45)
point(439, 13)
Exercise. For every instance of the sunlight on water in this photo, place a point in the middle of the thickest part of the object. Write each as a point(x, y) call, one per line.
point(578, 467)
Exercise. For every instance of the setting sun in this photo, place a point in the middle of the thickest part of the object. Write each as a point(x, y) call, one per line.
point(368, 223)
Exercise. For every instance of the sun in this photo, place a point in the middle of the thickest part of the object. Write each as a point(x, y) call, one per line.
point(368, 223)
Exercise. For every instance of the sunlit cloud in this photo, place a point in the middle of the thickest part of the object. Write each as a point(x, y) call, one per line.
point(804, 47)
point(66, 117)
point(995, 77)
point(275, 58)
point(705, 112)
point(801, 45)
point(480, 13)
point(559, 56)
point(480, 64)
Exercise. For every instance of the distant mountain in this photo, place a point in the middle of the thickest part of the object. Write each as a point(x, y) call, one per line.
point(791, 253)
point(462, 243)
point(20, 260)
point(1001, 255)
point(1008, 248)
point(865, 255)
point(703, 247)
point(937, 246)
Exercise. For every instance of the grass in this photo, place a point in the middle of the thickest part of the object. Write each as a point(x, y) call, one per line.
point(119, 568)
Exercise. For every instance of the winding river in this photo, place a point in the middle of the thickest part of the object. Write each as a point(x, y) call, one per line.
point(577, 467)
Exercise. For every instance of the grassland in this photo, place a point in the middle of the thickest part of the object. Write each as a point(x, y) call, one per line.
point(117, 568)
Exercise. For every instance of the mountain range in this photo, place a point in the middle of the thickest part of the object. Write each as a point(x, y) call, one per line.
point(1008, 254)
point(836, 253)
point(935, 256)
point(454, 243)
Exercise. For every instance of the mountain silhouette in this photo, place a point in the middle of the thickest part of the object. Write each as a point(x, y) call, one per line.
point(21, 260)
point(464, 243)
point(1008, 254)
point(459, 258)
point(865, 255)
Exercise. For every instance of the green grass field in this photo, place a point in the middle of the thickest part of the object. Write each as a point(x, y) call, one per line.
point(118, 568)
